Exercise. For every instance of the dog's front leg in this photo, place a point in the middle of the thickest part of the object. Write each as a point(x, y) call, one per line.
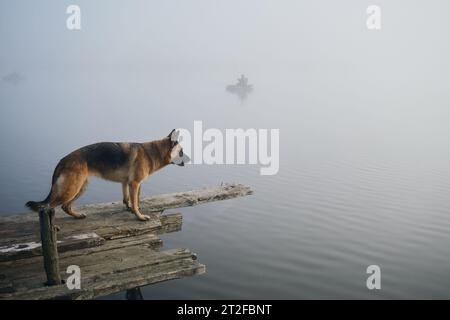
point(134, 194)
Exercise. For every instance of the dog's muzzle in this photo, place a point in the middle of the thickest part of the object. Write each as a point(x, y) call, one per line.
point(179, 161)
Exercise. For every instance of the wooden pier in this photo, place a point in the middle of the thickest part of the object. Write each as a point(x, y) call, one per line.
point(114, 251)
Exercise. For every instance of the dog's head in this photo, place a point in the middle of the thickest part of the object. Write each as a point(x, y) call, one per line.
point(177, 155)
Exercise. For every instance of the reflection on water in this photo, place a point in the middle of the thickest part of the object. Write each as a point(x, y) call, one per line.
point(361, 181)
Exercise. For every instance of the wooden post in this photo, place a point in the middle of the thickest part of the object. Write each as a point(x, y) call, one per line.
point(49, 246)
point(134, 294)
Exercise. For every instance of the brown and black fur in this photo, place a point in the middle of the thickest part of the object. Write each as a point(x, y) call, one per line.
point(127, 163)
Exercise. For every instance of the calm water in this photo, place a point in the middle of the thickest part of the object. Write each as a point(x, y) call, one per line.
point(364, 133)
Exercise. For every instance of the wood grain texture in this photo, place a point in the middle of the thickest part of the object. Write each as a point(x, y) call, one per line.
point(49, 246)
point(114, 250)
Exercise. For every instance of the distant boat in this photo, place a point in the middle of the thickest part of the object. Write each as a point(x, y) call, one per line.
point(242, 88)
point(235, 88)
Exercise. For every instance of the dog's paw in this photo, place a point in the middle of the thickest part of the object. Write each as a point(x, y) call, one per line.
point(127, 206)
point(80, 216)
point(143, 217)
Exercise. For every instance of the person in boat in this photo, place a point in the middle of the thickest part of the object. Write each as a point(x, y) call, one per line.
point(242, 81)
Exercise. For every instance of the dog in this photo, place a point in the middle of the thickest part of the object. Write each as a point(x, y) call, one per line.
point(127, 163)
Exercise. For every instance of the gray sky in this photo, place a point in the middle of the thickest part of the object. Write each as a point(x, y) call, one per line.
point(295, 51)
point(260, 32)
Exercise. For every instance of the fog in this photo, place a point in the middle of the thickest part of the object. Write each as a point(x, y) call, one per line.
point(233, 35)
point(362, 116)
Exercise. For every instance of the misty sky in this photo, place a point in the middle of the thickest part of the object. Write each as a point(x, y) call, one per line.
point(275, 34)
point(296, 52)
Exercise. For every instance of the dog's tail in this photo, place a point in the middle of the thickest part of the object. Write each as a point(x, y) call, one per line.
point(39, 205)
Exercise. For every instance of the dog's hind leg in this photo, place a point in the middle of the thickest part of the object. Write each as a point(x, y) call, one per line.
point(134, 195)
point(67, 205)
point(126, 196)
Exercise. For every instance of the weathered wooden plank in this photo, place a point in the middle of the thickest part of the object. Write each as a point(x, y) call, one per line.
point(74, 237)
point(105, 273)
point(114, 283)
point(28, 273)
point(71, 238)
point(34, 248)
point(195, 197)
point(145, 276)
point(154, 204)
point(151, 241)
point(110, 220)
point(28, 266)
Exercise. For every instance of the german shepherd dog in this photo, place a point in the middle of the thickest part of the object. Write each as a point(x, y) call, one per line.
point(127, 163)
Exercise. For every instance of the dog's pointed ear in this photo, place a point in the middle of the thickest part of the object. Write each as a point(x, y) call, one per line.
point(170, 134)
point(174, 135)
